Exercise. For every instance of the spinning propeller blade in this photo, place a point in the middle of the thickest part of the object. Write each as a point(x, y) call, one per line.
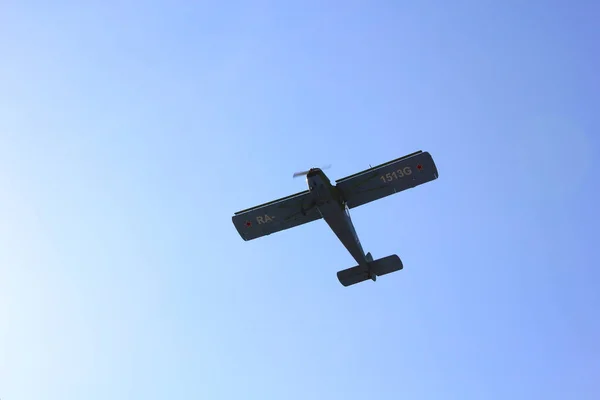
point(297, 174)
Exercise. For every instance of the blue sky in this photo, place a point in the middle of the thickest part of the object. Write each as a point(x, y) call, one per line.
point(131, 131)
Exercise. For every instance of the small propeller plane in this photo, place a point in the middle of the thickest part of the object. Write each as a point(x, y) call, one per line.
point(333, 203)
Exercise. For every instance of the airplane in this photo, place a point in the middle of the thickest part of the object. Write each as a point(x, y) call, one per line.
point(324, 200)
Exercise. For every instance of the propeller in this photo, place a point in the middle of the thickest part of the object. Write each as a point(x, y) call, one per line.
point(302, 173)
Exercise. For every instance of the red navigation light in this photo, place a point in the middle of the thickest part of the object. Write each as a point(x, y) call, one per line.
point(419, 167)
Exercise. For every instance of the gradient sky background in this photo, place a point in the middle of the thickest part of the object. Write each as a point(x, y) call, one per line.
point(131, 131)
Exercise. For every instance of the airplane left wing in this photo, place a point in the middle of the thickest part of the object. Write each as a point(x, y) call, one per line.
point(386, 179)
point(275, 216)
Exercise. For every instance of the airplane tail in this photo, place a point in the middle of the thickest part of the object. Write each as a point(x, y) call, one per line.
point(382, 266)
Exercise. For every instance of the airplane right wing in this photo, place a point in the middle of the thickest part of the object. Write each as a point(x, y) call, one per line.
point(276, 216)
point(389, 178)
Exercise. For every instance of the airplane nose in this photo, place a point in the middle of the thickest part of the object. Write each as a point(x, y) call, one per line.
point(312, 172)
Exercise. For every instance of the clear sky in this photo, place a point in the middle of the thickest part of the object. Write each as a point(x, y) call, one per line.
point(130, 132)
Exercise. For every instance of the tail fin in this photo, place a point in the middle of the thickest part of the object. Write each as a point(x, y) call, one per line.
point(357, 274)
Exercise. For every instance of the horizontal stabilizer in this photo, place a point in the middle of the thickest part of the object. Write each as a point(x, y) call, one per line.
point(386, 265)
point(354, 275)
point(383, 266)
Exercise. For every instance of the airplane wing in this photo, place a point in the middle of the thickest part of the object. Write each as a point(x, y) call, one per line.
point(389, 178)
point(275, 216)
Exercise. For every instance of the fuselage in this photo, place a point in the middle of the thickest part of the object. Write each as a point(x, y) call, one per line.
point(332, 207)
